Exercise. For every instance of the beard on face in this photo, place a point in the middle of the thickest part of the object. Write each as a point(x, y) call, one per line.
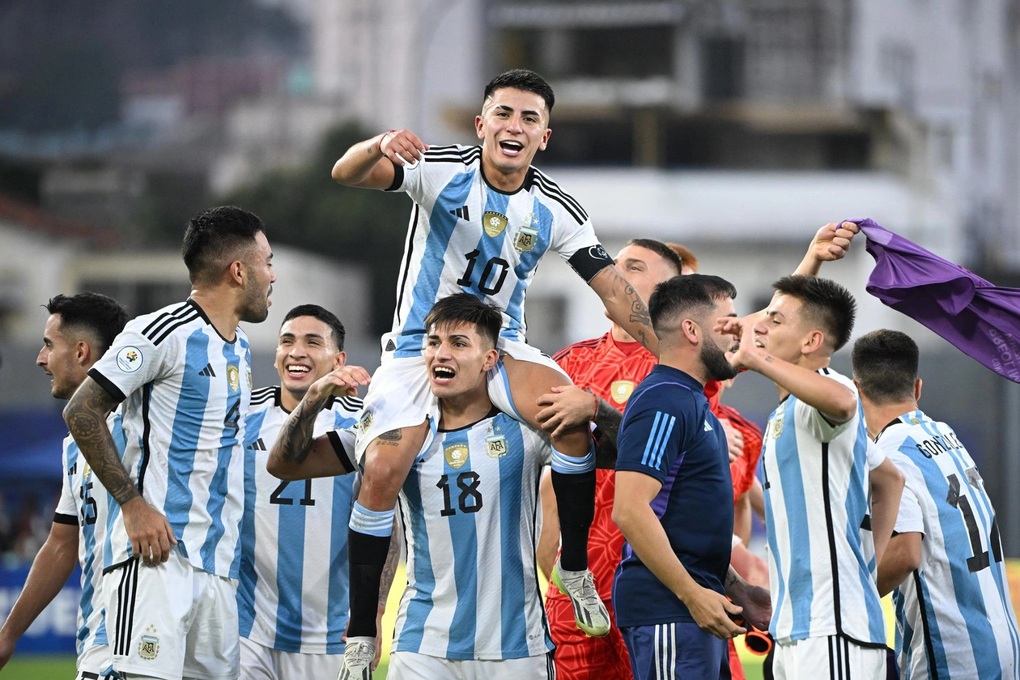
point(255, 305)
point(715, 362)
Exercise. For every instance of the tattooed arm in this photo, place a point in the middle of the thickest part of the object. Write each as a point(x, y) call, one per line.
point(296, 454)
point(148, 530)
point(625, 306)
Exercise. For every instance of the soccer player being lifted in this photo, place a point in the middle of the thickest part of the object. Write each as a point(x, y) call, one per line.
point(483, 217)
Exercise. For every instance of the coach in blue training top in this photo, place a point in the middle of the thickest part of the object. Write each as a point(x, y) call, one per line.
point(673, 494)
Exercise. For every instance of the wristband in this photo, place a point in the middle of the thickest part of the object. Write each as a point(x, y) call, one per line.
point(596, 413)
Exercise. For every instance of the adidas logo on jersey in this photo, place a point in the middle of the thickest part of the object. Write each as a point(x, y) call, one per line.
point(462, 213)
point(259, 445)
point(708, 428)
point(208, 371)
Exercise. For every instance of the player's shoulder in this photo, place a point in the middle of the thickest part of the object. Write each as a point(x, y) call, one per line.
point(551, 194)
point(344, 406)
point(453, 153)
point(263, 398)
point(158, 326)
point(581, 348)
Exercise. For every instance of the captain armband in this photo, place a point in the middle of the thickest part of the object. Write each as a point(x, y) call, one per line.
point(588, 262)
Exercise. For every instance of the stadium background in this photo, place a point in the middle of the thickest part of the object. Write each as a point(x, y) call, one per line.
point(735, 127)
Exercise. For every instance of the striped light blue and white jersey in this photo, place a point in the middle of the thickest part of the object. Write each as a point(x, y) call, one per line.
point(821, 552)
point(85, 503)
point(470, 515)
point(954, 617)
point(185, 391)
point(293, 594)
point(466, 236)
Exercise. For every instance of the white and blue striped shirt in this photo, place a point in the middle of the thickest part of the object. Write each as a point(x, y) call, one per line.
point(85, 503)
point(954, 616)
point(470, 516)
point(466, 236)
point(821, 558)
point(293, 594)
point(186, 391)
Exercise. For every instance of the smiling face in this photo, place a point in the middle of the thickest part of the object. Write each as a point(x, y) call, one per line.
point(305, 352)
point(457, 359)
point(258, 286)
point(59, 359)
point(513, 127)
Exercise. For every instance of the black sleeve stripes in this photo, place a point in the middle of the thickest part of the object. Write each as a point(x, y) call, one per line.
point(60, 518)
point(588, 262)
point(342, 454)
point(105, 383)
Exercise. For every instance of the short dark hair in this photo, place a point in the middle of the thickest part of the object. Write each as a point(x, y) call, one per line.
point(661, 249)
point(92, 313)
point(466, 308)
point(216, 234)
point(885, 365)
point(681, 294)
point(827, 303)
point(522, 79)
point(336, 329)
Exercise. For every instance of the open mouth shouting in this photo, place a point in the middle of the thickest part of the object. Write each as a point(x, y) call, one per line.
point(511, 147)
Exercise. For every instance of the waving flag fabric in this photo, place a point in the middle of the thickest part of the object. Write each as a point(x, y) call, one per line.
point(979, 318)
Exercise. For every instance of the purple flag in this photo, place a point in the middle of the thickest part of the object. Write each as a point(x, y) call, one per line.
point(980, 319)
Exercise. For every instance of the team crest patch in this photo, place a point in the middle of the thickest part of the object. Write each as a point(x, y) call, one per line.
point(129, 359)
point(621, 389)
point(494, 223)
point(148, 648)
point(526, 239)
point(776, 426)
point(233, 378)
point(456, 455)
point(365, 422)
point(495, 446)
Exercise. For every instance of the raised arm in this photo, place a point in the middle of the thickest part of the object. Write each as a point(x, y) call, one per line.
point(831, 243)
point(296, 454)
point(148, 530)
point(835, 401)
point(625, 306)
point(370, 164)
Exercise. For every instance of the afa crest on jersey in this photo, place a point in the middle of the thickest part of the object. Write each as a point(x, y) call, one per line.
point(526, 240)
point(494, 223)
point(495, 446)
point(456, 455)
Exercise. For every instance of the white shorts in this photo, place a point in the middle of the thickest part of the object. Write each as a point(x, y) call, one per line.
point(412, 666)
point(259, 662)
point(828, 658)
point(172, 621)
point(399, 394)
point(95, 663)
